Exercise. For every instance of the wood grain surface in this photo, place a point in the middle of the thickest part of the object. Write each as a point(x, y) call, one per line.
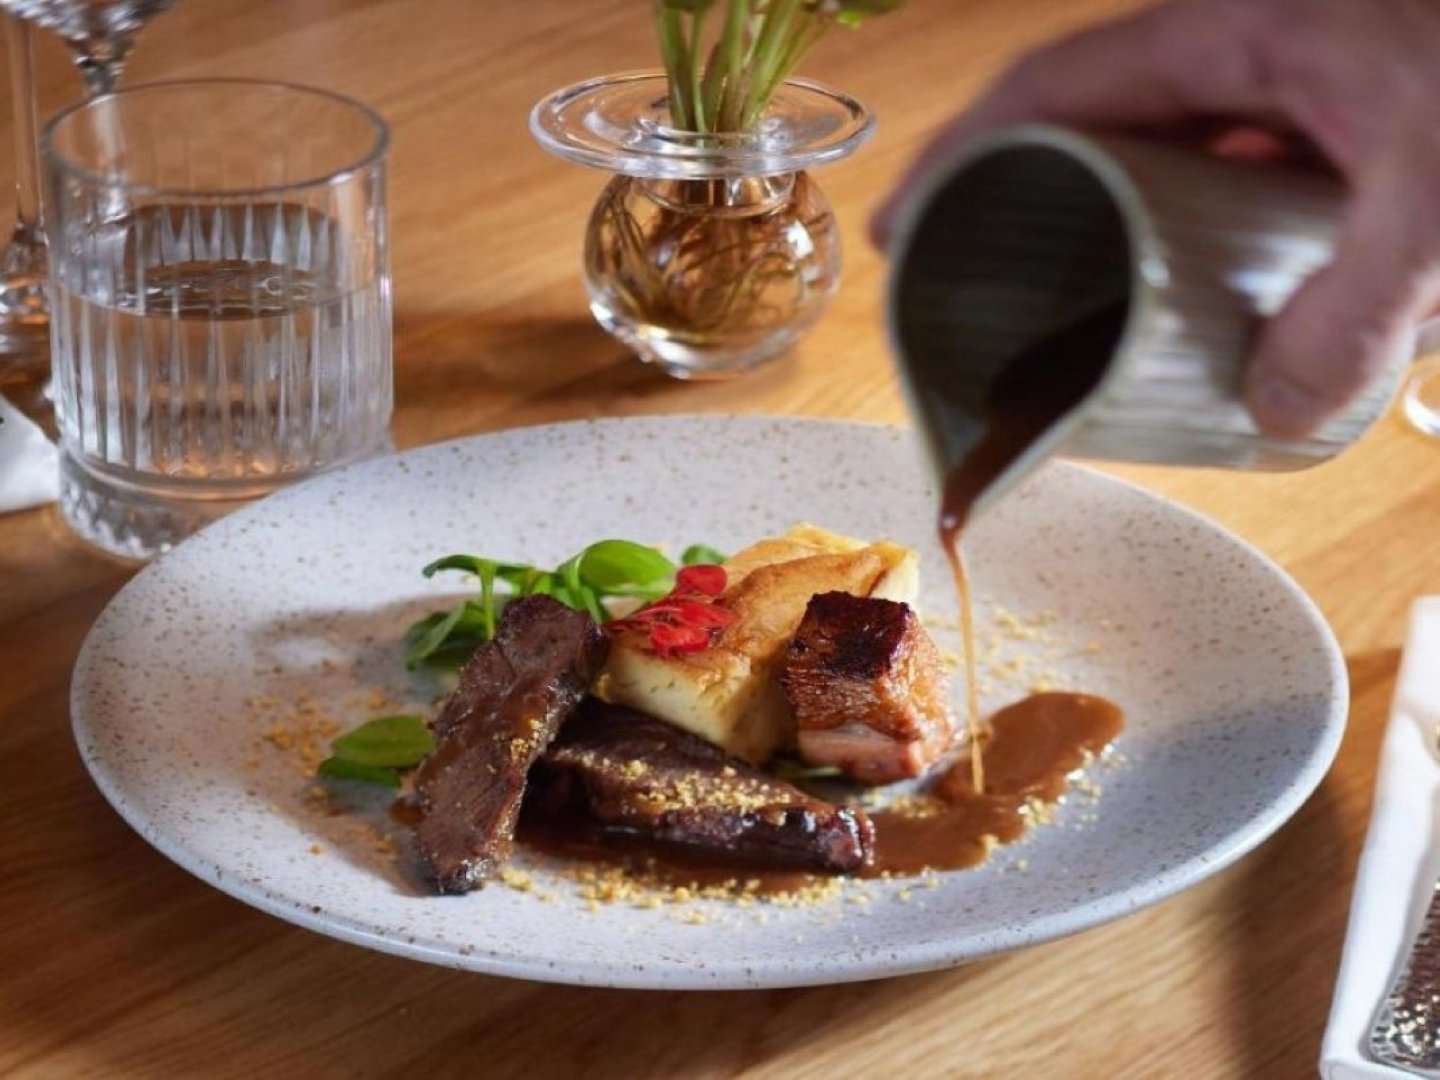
point(114, 962)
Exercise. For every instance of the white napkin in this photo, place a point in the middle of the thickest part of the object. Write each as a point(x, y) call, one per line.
point(29, 464)
point(1401, 859)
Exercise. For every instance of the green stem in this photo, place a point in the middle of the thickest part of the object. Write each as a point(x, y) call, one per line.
point(678, 62)
point(712, 88)
point(801, 43)
point(698, 110)
point(758, 45)
point(767, 54)
point(731, 58)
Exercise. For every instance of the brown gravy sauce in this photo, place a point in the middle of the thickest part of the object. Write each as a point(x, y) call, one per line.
point(405, 811)
point(1031, 751)
point(1033, 748)
point(1038, 387)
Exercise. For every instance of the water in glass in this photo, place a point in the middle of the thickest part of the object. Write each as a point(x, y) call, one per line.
point(212, 347)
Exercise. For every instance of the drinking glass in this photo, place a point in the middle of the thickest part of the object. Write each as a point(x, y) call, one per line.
point(100, 33)
point(220, 320)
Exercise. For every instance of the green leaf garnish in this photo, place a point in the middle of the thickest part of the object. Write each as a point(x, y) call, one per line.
point(605, 570)
point(701, 555)
point(625, 568)
point(429, 634)
point(376, 751)
point(397, 742)
point(340, 769)
point(436, 638)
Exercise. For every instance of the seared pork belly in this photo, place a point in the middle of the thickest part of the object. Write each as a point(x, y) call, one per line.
point(868, 689)
point(625, 773)
point(513, 695)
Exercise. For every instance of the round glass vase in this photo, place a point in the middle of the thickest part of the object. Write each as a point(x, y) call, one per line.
point(707, 253)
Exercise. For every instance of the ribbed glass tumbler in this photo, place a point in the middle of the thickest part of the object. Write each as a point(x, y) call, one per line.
point(220, 307)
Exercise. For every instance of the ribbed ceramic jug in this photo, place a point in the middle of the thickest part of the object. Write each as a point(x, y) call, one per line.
point(1034, 228)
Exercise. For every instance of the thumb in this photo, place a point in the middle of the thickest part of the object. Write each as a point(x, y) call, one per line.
point(1346, 323)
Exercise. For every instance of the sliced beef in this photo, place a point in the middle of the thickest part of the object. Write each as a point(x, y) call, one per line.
point(628, 774)
point(514, 693)
point(868, 689)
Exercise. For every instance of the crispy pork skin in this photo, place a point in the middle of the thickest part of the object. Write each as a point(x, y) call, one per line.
point(868, 689)
point(624, 773)
point(514, 693)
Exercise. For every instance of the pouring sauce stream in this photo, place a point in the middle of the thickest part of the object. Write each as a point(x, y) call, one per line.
point(1037, 388)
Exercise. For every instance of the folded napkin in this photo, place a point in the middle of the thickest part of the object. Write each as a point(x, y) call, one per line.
point(1401, 860)
point(29, 464)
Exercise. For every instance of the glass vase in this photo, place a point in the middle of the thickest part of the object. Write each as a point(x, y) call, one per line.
point(707, 254)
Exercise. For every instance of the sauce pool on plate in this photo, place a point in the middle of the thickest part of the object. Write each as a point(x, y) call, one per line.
point(1032, 749)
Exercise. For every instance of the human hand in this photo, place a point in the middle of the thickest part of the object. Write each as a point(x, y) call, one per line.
point(1355, 81)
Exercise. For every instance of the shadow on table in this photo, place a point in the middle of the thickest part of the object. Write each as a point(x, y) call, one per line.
point(1292, 896)
point(625, 1034)
point(473, 371)
point(449, 355)
point(172, 978)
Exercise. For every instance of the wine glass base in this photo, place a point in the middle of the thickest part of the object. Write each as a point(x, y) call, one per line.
point(24, 308)
point(1420, 399)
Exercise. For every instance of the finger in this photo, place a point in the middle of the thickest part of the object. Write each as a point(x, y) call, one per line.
point(1347, 322)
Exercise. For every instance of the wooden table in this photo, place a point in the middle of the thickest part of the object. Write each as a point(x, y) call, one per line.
point(113, 961)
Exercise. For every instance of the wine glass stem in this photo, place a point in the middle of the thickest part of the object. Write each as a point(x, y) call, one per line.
point(22, 93)
point(23, 310)
point(100, 61)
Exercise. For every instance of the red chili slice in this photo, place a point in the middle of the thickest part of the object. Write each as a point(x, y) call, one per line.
point(697, 613)
point(706, 579)
point(669, 640)
point(686, 620)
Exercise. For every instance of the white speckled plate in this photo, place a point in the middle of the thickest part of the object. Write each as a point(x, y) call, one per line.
point(1234, 688)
